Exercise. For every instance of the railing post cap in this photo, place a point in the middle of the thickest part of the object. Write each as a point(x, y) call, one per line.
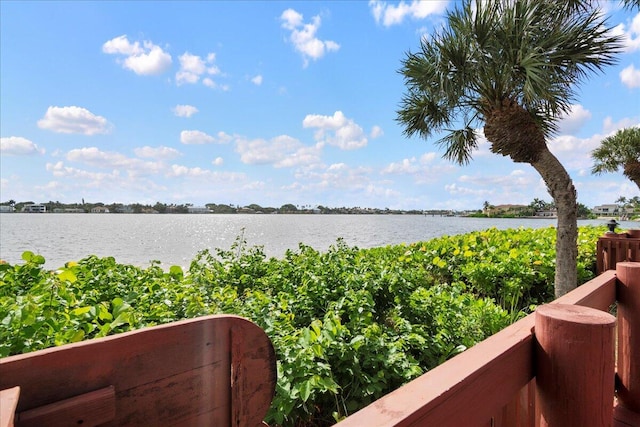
point(575, 314)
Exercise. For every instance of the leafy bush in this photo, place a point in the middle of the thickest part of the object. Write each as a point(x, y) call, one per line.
point(348, 325)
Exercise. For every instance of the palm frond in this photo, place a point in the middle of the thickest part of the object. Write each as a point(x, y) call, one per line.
point(459, 145)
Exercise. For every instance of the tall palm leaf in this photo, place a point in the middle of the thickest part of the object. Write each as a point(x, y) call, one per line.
point(512, 67)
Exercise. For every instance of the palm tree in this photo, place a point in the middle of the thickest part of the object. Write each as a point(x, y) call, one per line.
point(512, 66)
point(621, 150)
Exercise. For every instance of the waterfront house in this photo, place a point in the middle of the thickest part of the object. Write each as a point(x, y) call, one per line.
point(198, 210)
point(34, 208)
point(610, 209)
point(100, 209)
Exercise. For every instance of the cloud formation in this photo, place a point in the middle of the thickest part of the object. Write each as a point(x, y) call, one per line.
point(630, 76)
point(157, 152)
point(73, 120)
point(196, 137)
point(19, 146)
point(184, 110)
point(630, 35)
point(281, 151)
point(574, 119)
point(194, 69)
point(336, 130)
point(303, 36)
point(143, 59)
point(394, 14)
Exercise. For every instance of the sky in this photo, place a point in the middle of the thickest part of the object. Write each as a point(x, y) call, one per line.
point(266, 102)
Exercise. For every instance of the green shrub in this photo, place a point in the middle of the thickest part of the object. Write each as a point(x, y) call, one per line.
point(349, 325)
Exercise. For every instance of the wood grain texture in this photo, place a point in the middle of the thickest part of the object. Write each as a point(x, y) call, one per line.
point(629, 334)
point(575, 365)
point(611, 249)
point(87, 410)
point(174, 374)
point(8, 402)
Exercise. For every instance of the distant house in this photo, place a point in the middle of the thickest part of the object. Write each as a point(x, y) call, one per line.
point(34, 208)
point(124, 209)
point(74, 210)
point(552, 213)
point(606, 210)
point(198, 210)
point(7, 209)
point(100, 209)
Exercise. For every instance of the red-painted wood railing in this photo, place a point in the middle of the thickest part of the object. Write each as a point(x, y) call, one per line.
point(613, 248)
point(209, 371)
point(494, 382)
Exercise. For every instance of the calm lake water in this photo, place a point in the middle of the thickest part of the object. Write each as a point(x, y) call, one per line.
point(176, 239)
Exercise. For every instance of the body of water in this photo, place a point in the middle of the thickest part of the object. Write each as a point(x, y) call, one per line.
point(176, 239)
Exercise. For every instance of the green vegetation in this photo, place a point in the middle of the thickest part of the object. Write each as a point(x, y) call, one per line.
point(619, 151)
point(348, 324)
point(513, 69)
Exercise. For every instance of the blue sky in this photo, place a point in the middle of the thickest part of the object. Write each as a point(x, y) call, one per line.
point(259, 102)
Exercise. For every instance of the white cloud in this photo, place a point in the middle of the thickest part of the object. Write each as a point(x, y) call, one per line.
point(515, 178)
point(97, 158)
point(303, 36)
point(196, 137)
point(630, 76)
point(376, 132)
point(574, 119)
point(575, 153)
point(218, 161)
point(122, 46)
point(427, 157)
point(73, 120)
point(184, 110)
point(59, 170)
point(223, 138)
point(405, 166)
point(394, 14)
point(257, 80)
point(281, 151)
point(157, 152)
point(337, 176)
point(19, 146)
point(205, 174)
point(455, 189)
point(630, 35)
point(421, 169)
point(193, 67)
point(145, 59)
point(336, 130)
point(609, 127)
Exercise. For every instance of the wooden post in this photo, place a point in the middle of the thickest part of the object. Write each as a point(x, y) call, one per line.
point(574, 366)
point(628, 294)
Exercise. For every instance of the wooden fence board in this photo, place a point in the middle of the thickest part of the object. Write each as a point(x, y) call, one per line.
point(182, 368)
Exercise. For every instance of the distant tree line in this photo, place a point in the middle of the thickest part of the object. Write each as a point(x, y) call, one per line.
point(535, 208)
point(164, 208)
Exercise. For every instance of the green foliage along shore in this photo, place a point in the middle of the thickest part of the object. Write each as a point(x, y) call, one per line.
point(349, 325)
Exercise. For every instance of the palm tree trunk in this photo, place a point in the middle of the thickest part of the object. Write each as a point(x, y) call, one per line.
point(632, 171)
point(564, 195)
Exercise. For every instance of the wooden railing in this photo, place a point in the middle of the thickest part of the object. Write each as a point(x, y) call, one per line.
point(505, 380)
point(209, 371)
point(613, 248)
